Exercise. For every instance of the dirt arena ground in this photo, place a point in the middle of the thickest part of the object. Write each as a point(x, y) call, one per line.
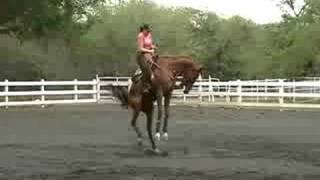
point(95, 142)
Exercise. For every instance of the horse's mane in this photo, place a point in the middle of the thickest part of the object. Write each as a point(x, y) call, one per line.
point(172, 60)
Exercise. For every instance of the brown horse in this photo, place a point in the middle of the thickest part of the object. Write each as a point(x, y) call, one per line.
point(164, 82)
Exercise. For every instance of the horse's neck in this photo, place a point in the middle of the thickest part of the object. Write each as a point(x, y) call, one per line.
point(179, 67)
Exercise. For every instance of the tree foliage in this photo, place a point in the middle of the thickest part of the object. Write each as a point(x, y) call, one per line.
point(81, 38)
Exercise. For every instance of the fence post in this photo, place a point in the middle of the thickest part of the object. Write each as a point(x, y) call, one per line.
point(76, 97)
point(42, 93)
point(257, 91)
point(98, 89)
point(210, 89)
point(6, 90)
point(228, 93)
point(94, 88)
point(200, 88)
point(129, 83)
point(281, 91)
point(239, 91)
point(313, 87)
point(266, 89)
point(294, 91)
point(184, 95)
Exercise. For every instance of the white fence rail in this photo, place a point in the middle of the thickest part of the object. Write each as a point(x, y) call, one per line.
point(271, 92)
point(48, 92)
point(268, 92)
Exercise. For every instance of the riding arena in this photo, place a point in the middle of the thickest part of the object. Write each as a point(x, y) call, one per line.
point(241, 129)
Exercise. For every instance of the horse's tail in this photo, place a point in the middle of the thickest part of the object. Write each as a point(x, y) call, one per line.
point(121, 93)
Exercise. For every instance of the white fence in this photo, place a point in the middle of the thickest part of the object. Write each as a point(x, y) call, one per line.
point(21, 93)
point(272, 92)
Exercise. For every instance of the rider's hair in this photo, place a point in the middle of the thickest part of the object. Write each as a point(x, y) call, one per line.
point(144, 27)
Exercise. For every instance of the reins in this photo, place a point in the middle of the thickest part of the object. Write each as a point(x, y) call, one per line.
point(159, 67)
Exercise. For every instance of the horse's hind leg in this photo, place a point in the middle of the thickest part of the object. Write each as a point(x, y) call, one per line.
point(135, 127)
point(158, 124)
point(166, 116)
point(149, 114)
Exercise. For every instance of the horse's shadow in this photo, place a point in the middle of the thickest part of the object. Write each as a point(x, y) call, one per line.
point(140, 152)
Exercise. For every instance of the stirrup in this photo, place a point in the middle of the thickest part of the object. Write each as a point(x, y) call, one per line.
point(138, 72)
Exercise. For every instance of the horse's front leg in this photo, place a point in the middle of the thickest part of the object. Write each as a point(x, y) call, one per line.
point(166, 116)
point(149, 114)
point(159, 97)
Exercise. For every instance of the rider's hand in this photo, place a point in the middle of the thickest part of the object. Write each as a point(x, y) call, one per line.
point(152, 51)
point(154, 47)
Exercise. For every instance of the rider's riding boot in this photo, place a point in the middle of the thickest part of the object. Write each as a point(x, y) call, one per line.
point(147, 85)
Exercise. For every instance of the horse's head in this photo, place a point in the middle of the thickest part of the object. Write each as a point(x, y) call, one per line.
point(189, 78)
point(183, 66)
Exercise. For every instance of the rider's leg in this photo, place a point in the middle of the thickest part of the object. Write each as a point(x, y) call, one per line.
point(146, 69)
point(147, 59)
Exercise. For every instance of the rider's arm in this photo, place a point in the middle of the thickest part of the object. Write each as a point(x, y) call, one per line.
point(153, 46)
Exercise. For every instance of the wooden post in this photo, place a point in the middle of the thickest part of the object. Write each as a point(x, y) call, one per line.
point(294, 91)
point(200, 88)
point(6, 90)
point(98, 88)
point(266, 89)
point(257, 91)
point(76, 97)
point(239, 91)
point(42, 93)
point(129, 84)
point(228, 94)
point(210, 89)
point(281, 91)
point(94, 88)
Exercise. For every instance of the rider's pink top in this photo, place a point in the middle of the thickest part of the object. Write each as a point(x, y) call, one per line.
point(145, 40)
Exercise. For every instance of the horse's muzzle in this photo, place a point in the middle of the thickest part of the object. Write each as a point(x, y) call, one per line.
point(185, 92)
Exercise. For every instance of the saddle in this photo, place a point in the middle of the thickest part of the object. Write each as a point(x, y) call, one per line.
point(136, 77)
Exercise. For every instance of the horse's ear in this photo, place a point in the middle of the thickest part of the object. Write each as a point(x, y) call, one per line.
point(201, 70)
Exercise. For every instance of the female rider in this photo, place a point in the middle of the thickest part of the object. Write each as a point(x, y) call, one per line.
point(145, 55)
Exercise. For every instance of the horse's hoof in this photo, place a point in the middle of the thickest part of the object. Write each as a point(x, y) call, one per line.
point(157, 151)
point(157, 136)
point(165, 136)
